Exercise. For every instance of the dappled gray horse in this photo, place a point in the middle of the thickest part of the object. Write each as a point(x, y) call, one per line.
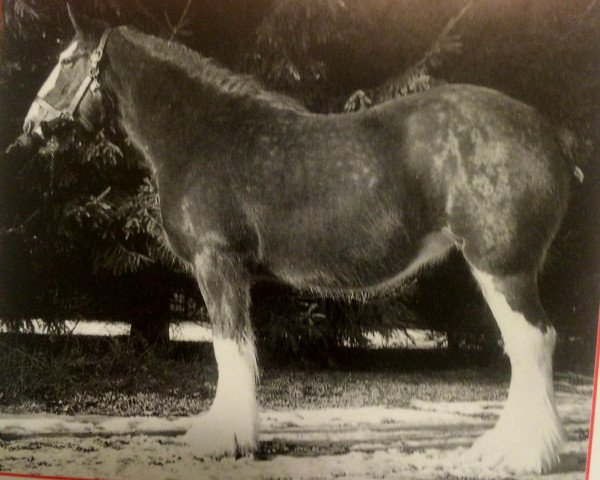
point(254, 186)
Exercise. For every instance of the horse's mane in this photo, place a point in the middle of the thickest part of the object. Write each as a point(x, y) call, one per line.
point(208, 71)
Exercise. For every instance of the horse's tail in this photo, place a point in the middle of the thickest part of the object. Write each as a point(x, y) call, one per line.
point(570, 145)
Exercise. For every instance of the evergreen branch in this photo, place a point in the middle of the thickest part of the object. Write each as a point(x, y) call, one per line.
point(21, 228)
point(165, 256)
point(22, 9)
point(119, 260)
point(181, 22)
point(144, 11)
point(416, 78)
point(444, 36)
point(102, 195)
point(442, 43)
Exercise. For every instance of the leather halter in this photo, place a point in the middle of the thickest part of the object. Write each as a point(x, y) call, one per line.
point(90, 82)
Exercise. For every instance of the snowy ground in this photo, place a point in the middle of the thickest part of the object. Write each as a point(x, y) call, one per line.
point(197, 332)
point(423, 441)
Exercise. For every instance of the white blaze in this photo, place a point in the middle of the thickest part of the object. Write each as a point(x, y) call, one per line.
point(50, 83)
point(34, 115)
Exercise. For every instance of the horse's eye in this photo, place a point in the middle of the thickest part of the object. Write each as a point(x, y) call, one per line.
point(67, 61)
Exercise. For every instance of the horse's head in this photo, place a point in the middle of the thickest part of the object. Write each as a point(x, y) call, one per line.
point(72, 89)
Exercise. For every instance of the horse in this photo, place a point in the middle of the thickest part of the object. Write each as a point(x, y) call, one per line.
point(252, 186)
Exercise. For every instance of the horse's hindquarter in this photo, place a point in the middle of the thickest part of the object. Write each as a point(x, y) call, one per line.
point(501, 168)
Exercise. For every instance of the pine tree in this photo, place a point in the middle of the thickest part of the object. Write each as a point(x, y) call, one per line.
point(92, 224)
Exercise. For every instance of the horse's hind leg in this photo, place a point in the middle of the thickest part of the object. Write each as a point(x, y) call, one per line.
point(528, 434)
point(230, 428)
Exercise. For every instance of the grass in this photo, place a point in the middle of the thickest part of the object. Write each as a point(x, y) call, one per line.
point(110, 376)
point(98, 375)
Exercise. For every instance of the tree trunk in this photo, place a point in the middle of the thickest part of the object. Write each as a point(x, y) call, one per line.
point(453, 337)
point(150, 331)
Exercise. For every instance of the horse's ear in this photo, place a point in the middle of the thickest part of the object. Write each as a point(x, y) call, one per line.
point(74, 21)
point(86, 29)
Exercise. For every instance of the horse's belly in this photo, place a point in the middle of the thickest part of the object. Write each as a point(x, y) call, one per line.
point(356, 263)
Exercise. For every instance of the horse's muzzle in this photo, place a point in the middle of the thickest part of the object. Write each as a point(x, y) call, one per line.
point(40, 111)
point(25, 140)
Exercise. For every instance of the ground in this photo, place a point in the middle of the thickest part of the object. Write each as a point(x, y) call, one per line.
point(332, 427)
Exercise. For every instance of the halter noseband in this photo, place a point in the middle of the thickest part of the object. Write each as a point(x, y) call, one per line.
point(89, 82)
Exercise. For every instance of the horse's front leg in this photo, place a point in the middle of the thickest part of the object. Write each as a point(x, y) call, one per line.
point(230, 428)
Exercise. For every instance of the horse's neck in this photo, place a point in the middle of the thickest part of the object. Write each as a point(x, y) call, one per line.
point(159, 101)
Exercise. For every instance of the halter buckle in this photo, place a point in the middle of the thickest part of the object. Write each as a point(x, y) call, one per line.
point(96, 56)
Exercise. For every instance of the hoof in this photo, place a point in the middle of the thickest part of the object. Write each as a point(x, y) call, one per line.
point(501, 450)
point(216, 436)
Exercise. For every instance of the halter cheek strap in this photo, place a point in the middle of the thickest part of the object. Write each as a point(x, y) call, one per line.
point(89, 82)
